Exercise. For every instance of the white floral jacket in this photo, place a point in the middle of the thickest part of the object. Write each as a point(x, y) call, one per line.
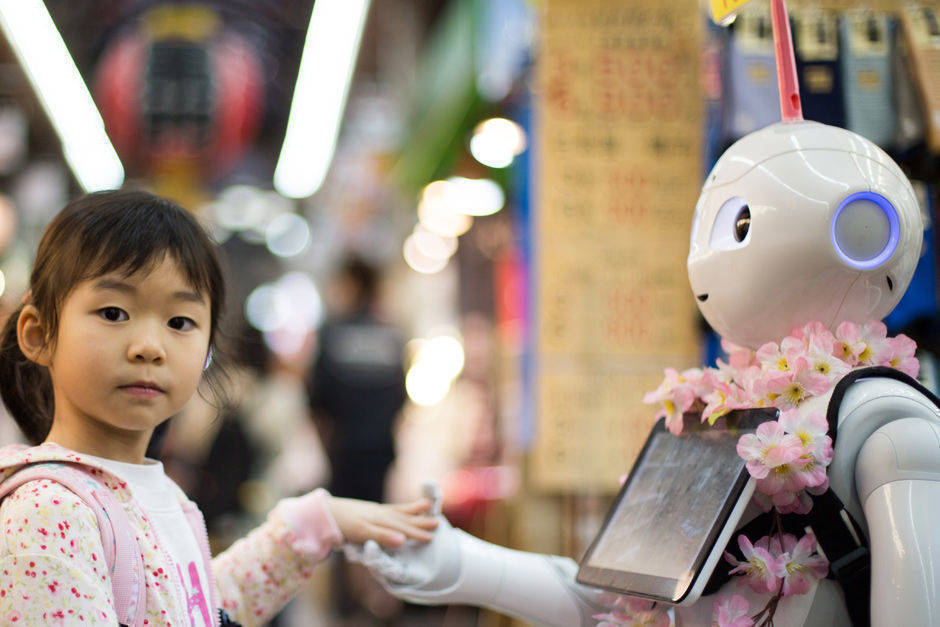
point(51, 556)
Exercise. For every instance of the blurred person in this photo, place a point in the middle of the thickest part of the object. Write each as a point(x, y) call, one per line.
point(113, 337)
point(356, 388)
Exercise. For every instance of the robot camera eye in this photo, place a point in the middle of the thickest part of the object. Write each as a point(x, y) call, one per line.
point(742, 223)
point(732, 226)
point(865, 230)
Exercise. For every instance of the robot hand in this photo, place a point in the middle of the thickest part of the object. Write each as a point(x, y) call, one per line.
point(416, 572)
point(457, 568)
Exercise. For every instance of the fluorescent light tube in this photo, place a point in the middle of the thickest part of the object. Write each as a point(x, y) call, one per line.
point(62, 93)
point(326, 69)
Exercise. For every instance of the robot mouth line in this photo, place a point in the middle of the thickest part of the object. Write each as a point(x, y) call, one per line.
point(702, 297)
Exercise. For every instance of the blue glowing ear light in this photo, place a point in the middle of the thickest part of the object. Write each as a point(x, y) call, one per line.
point(894, 230)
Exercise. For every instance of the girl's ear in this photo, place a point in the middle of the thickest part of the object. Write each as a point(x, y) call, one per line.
point(31, 336)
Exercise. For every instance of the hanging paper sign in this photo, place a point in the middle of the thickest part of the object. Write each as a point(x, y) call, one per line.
point(619, 105)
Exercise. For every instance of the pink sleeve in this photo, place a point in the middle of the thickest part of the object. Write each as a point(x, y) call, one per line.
point(258, 574)
point(52, 569)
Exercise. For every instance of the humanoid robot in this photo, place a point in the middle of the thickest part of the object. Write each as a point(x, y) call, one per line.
point(796, 222)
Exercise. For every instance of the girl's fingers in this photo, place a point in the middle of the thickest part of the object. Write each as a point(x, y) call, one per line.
point(418, 534)
point(385, 536)
point(425, 522)
point(416, 520)
point(415, 507)
point(410, 526)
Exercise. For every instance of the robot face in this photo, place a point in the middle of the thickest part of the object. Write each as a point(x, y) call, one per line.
point(797, 222)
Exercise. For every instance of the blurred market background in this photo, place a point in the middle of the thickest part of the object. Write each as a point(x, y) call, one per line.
point(455, 230)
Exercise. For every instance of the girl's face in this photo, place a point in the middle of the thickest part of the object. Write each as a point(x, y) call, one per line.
point(128, 355)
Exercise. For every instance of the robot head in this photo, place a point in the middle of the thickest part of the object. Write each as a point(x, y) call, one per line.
point(801, 221)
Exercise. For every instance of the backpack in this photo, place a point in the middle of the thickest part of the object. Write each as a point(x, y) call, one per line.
point(121, 553)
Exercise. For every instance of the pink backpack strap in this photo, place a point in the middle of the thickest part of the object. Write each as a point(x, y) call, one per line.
point(121, 551)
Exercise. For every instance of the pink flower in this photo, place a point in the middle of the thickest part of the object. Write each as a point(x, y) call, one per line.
point(786, 483)
point(787, 502)
point(739, 357)
point(760, 568)
point(753, 389)
point(784, 464)
point(800, 563)
point(811, 330)
point(731, 611)
point(768, 449)
point(802, 383)
point(811, 428)
point(901, 355)
point(823, 360)
point(631, 612)
point(772, 359)
point(722, 399)
point(864, 345)
point(677, 393)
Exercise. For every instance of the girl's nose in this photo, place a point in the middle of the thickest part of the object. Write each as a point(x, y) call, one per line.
point(146, 348)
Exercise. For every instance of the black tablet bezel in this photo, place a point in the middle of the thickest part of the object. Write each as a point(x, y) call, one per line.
point(672, 590)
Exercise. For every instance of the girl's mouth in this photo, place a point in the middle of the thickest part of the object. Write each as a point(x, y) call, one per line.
point(142, 389)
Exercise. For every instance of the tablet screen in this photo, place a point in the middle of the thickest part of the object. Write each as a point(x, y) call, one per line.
point(663, 523)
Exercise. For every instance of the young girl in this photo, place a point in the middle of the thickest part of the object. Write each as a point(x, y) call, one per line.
point(113, 338)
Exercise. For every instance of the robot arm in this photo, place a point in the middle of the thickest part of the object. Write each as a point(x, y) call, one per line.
point(457, 568)
point(886, 469)
point(898, 483)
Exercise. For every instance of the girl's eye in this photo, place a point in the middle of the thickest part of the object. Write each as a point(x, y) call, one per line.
point(181, 323)
point(113, 314)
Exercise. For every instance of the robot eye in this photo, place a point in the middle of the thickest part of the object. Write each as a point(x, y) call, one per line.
point(732, 226)
point(742, 223)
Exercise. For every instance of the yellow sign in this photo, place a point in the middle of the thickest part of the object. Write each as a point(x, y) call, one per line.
point(722, 9)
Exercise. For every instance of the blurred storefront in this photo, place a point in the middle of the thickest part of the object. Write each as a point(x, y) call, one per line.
point(522, 172)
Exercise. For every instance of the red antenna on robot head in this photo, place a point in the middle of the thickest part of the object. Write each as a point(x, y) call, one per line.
point(790, 107)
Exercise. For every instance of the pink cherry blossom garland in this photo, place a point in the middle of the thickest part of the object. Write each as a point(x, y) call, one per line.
point(804, 364)
point(787, 457)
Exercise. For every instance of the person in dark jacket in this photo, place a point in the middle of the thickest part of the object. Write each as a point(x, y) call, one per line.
point(356, 388)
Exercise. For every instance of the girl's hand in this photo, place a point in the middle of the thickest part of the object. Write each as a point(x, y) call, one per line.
point(389, 525)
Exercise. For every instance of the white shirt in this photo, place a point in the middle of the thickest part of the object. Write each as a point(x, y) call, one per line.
point(156, 494)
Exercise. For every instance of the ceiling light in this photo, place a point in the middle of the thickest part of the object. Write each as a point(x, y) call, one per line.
point(326, 68)
point(62, 93)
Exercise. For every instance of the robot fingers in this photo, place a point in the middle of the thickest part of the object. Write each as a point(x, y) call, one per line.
point(432, 491)
point(386, 567)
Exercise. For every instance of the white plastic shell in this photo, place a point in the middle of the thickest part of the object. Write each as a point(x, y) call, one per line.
point(788, 271)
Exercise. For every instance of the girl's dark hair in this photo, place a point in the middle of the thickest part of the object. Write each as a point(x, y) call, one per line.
point(97, 234)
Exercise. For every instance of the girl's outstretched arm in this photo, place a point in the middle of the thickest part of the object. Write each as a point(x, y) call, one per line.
point(258, 574)
point(52, 566)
